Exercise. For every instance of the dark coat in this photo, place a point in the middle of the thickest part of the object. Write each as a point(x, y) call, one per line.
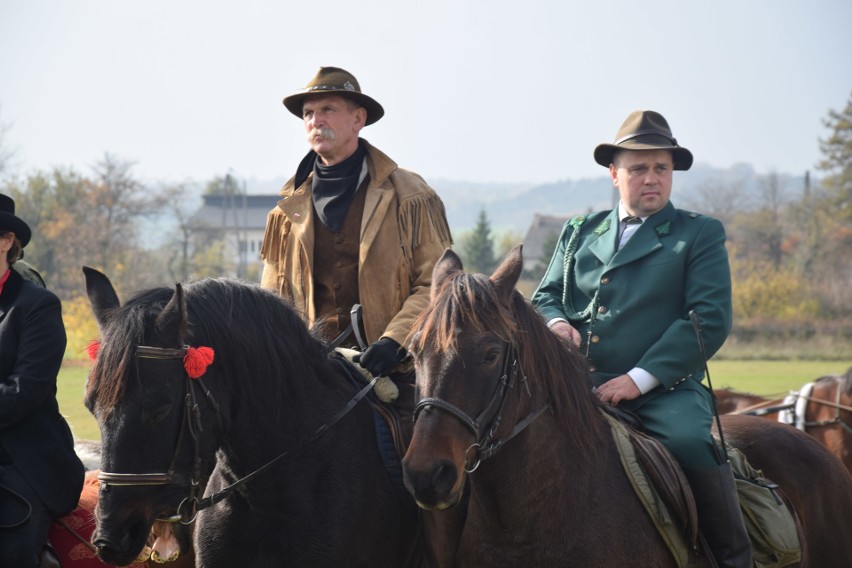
point(32, 431)
point(635, 302)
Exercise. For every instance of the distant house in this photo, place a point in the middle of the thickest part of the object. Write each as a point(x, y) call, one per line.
point(543, 230)
point(239, 221)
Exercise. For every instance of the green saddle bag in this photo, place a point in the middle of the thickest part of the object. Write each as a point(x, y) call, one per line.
point(771, 525)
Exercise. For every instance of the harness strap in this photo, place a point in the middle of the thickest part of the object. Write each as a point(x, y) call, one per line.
point(488, 452)
point(449, 407)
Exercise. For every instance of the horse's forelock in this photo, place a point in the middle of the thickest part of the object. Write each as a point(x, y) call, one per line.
point(463, 302)
point(469, 302)
point(124, 333)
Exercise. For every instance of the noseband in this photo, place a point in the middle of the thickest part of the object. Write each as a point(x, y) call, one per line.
point(486, 445)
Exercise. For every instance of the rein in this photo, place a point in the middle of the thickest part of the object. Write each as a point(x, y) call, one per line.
point(191, 410)
point(486, 445)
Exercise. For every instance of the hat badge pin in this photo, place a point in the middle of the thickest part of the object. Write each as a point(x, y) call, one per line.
point(348, 86)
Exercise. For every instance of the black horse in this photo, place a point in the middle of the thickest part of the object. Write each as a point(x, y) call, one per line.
point(296, 476)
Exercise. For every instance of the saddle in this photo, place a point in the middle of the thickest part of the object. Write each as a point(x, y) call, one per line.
point(391, 416)
point(662, 487)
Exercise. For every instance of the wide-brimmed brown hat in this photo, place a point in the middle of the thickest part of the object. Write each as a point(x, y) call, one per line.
point(9, 222)
point(335, 81)
point(644, 130)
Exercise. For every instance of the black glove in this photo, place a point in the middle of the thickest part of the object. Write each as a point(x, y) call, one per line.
point(381, 357)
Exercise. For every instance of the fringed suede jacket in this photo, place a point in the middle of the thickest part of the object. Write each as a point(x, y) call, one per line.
point(404, 231)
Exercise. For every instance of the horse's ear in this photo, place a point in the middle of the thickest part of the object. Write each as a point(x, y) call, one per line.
point(507, 274)
point(102, 296)
point(171, 323)
point(446, 265)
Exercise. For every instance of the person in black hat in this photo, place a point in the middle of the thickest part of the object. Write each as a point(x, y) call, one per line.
point(352, 227)
point(40, 475)
point(620, 287)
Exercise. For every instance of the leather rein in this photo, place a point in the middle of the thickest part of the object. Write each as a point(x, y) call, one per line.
point(189, 507)
point(486, 445)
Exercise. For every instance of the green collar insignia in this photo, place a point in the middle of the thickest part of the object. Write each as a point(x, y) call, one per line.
point(602, 228)
point(663, 229)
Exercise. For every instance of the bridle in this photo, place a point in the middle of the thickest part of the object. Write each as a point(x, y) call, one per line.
point(795, 408)
point(835, 405)
point(189, 507)
point(190, 425)
point(485, 444)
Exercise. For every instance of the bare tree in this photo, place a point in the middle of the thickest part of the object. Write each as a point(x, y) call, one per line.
point(771, 226)
point(718, 198)
point(180, 206)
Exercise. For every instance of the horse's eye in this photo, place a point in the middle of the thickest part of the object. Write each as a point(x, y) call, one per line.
point(491, 355)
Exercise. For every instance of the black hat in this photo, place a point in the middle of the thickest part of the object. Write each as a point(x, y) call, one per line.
point(644, 130)
point(335, 81)
point(9, 222)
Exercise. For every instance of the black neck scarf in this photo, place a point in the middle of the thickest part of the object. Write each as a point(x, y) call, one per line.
point(333, 187)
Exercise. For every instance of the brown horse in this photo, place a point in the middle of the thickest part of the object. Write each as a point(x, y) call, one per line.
point(822, 409)
point(507, 421)
point(732, 401)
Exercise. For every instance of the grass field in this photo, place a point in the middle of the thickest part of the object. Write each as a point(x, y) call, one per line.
point(769, 378)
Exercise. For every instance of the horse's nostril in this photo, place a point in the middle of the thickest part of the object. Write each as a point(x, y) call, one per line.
point(444, 476)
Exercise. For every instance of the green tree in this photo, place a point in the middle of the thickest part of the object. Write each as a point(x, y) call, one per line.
point(837, 161)
point(478, 247)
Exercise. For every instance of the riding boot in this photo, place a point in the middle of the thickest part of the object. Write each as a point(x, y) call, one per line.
point(719, 516)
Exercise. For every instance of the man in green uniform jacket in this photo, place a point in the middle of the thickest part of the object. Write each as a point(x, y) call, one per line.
point(620, 287)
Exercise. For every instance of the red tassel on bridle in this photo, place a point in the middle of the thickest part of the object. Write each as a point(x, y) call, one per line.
point(195, 361)
point(92, 349)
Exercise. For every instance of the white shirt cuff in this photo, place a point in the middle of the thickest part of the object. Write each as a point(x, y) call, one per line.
point(644, 380)
point(554, 320)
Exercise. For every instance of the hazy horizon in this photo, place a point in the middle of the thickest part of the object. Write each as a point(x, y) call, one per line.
point(477, 91)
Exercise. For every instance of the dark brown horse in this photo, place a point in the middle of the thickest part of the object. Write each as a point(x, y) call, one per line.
point(506, 415)
point(296, 474)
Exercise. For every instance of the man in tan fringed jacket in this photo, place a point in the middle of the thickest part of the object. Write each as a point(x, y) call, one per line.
point(352, 227)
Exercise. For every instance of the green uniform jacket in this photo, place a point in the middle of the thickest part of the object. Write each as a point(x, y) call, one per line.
point(632, 306)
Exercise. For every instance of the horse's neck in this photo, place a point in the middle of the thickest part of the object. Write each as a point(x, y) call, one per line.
point(531, 470)
point(261, 429)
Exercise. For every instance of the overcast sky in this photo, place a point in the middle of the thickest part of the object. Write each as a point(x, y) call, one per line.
point(479, 90)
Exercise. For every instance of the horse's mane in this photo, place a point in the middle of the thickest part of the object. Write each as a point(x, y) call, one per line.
point(844, 381)
point(257, 337)
point(466, 302)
